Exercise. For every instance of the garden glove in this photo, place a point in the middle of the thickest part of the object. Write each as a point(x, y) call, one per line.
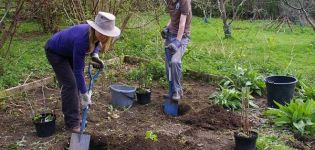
point(164, 32)
point(174, 46)
point(86, 98)
point(97, 62)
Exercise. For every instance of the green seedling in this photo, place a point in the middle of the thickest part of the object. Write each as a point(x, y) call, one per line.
point(38, 118)
point(150, 135)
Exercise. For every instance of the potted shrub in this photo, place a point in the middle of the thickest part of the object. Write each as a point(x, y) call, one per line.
point(144, 79)
point(44, 124)
point(245, 139)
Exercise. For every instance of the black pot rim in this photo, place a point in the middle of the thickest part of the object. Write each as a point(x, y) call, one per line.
point(254, 135)
point(148, 90)
point(54, 115)
point(266, 81)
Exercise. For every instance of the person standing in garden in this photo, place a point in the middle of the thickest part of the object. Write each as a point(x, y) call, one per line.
point(176, 35)
point(66, 52)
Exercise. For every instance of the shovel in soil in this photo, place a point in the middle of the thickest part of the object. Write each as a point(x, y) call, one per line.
point(170, 106)
point(82, 141)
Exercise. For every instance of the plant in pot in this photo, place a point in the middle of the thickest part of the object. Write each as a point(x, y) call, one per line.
point(44, 124)
point(245, 139)
point(144, 79)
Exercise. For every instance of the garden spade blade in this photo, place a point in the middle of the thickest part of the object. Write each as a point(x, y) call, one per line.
point(81, 141)
point(170, 106)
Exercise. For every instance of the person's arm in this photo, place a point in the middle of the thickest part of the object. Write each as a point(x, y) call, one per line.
point(78, 67)
point(185, 8)
point(181, 28)
point(96, 50)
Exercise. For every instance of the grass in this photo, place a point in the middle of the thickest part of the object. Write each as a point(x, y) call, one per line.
point(272, 139)
point(26, 58)
point(271, 142)
point(266, 51)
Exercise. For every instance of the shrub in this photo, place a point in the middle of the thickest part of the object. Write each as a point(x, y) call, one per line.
point(245, 78)
point(228, 98)
point(299, 115)
point(141, 76)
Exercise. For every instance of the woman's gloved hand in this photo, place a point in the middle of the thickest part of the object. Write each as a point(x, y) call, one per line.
point(97, 62)
point(86, 98)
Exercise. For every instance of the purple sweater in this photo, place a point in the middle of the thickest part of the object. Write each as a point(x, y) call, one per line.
point(73, 43)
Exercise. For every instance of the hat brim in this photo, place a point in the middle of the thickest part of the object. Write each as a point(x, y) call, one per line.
point(111, 33)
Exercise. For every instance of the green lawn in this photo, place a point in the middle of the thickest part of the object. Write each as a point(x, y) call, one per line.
point(267, 51)
point(252, 46)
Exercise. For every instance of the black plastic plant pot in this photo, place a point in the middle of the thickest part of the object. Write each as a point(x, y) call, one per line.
point(45, 124)
point(143, 96)
point(243, 142)
point(280, 89)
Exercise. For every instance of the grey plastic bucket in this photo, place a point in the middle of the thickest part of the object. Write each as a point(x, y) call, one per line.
point(122, 95)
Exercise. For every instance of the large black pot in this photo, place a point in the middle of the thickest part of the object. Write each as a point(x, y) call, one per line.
point(143, 96)
point(280, 89)
point(245, 143)
point(45, 128)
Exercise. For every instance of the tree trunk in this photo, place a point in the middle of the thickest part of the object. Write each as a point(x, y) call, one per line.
point(308, 19)
point(227, 30)
point(233, 9)
point(226, 25)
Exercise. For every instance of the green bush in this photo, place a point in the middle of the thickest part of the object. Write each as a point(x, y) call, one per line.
point(228, 98)
point(141, 75)
point(299, 115)
point(245, 78)
point(156, 69)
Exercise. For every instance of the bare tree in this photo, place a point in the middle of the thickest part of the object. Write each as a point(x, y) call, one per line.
point(304, 7)
point(206, 6)
point(10, 32)
point(74, 11)
point(126, 10)
point(227, 25)
point(7, 9)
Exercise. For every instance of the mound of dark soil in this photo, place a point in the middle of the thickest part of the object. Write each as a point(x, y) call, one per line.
point(137, 142)
point(213, 118)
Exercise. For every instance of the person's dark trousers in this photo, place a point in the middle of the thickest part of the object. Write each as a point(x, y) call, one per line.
point(69, 91)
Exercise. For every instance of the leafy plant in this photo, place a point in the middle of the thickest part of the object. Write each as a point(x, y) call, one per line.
point(245, 78)
point(38, 118)
point(150, 135)
point(299, 115)
point(305, 90)
point(49, 118)
point(157, 69)
point(141, 75)
point(228, 98)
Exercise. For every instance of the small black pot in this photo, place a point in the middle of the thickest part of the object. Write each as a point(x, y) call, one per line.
point(45, 128)
point(144, 97)
point(245, 143)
